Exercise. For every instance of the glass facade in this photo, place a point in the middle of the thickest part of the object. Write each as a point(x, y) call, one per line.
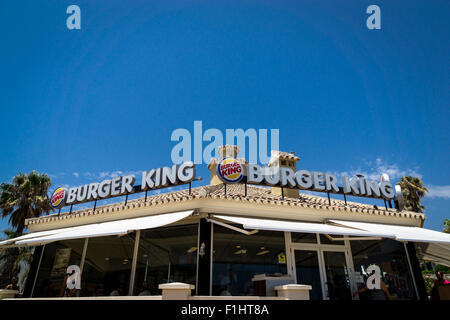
point(237, 258)
point(303, 237)
point(337, 276)
point(170, 254)
point(166, 255)
point(57, 256)
point(390, 257)
point(107, 268)
point(325, 240)
point(307, 270)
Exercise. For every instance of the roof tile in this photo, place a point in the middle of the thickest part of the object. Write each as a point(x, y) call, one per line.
point(236, 192)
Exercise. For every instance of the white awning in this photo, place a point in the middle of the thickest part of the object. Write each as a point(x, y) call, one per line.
point(35, 235)
point(400, 233)
point(434, 252)
point(293, 226)
point(119, 227)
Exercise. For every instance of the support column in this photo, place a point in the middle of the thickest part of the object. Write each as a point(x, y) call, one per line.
point(133, 264)
point(83, 255)
point(32, 273)
point(416, 272)
point(204, 259)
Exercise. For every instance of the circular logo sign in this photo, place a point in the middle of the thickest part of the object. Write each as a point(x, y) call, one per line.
point(58, 198)
point(230, 170)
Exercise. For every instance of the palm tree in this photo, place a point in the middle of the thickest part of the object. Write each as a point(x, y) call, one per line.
point(413, 190)
point(447, 225)
point(24, 198)
point(13, 259)
point(7, 260)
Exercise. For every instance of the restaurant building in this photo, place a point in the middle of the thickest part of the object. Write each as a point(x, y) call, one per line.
point(232, 239)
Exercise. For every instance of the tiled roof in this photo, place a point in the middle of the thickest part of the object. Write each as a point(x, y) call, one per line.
point(234, 192)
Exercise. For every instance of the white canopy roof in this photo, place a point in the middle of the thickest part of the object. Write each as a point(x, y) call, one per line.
point(35, 235)
point(103, 229)
point(293, 226)
point(434, 252)
point(400, 233)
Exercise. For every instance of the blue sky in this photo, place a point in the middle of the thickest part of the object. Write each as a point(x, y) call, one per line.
point(84, 104)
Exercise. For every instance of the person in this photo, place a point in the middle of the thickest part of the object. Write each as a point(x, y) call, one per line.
point(376, 294)
point(144, 290)
point(438, 282)
point(66, 292)
point(98, 291)
point(248, 288)
point(12, 285)
point(440, 278)
point(119, 291)
point(71, 293)
point(339, 290)
point(226, 291)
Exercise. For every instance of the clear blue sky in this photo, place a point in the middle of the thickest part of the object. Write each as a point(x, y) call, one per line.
point(82, 104)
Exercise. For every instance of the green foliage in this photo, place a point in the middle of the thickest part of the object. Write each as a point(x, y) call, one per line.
point(446, 226)
point(438, 267)
point(429, 276)
point(413, 190)
point(429, 283)
point(13, 259)
point(443, 269)
point(26, 197)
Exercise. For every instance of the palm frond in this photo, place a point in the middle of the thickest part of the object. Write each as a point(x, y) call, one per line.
point(26, 197)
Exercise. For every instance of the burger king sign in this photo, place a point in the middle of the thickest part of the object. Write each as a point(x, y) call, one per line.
point(230, 170)
point(58, 198)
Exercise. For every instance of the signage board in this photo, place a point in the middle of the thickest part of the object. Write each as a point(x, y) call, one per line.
point(319, 181)
point(231, 171)
point(119, 186)
point(58, 198)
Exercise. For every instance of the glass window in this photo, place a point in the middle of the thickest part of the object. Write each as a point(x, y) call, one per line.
point(307, 270)
point(11, 256)
point(337, 282)
point(107, 267)
point(238, 258)
point(325, 240)
point(52, 271)
point(390, 256)
point(166, 255)
point(303, 237)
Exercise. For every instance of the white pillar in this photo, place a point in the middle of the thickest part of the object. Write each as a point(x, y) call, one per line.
point(133, 264)
point(176, 291)
point(294, 291)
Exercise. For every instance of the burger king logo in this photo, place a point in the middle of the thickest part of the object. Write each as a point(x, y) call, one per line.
point(230, 170)
point(58, 198)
